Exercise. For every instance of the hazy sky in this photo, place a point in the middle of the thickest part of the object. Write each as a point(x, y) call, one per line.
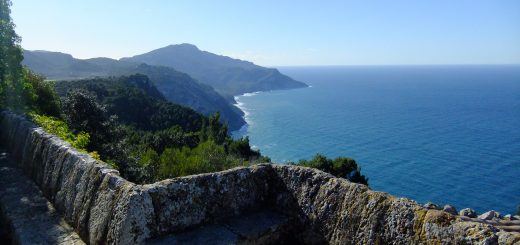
point(280, 32)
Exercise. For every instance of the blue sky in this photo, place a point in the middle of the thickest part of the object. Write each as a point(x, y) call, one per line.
point(281, 32)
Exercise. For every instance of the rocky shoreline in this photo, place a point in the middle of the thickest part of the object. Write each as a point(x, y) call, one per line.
point(506, 222)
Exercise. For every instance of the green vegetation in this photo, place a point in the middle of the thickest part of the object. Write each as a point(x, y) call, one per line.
point(61, 129)
point(206, 157)
point(340, 167)
point(135, 129)
point(135, 101)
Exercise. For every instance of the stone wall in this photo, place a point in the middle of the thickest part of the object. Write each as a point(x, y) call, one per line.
point(103, 207)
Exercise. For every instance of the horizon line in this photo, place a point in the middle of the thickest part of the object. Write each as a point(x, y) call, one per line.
point(306, 65)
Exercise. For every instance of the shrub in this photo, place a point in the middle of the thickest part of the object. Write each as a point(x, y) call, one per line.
point(340, 167)
point(208, 156)
point(59, 128)
point(41, 95)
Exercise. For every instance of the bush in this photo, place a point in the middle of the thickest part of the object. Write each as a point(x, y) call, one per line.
point(59, 128)
point(207, 157)
point(84, 114)
point(340, 167)
point(242, 149)
point(149, 162)
point(41, 95)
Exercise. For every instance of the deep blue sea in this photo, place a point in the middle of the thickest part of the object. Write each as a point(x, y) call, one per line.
point(446, 134)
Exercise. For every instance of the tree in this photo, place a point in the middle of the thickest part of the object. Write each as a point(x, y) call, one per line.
point(340, 167)
point(41, 97)
point(242, 149)
point(83, 113)
point(149, 162)
point(11, 86)
point(213, 130)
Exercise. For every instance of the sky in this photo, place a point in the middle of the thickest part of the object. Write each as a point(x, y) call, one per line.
point(280, 33)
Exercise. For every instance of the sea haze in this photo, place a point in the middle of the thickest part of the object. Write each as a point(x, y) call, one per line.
point(446, 134)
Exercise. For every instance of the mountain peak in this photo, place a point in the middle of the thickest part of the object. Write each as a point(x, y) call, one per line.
point(183, 46)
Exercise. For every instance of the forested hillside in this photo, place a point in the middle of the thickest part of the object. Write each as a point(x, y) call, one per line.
point(177, 87)
point(133, 127)
point(136, 102)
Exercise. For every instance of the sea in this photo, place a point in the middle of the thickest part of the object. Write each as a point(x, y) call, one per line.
point(441, 134)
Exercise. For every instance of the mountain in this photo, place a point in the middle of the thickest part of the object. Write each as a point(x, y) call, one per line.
point(176, 86)
point(227, 75)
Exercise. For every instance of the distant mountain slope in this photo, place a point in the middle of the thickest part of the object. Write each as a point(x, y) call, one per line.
point(176, 87)
point(227, 75)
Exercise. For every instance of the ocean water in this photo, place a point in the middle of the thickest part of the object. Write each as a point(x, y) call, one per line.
point(446, 134)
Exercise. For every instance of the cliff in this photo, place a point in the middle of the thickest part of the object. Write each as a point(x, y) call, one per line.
point(297, 204)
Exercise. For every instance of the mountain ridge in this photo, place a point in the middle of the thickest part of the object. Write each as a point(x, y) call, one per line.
point(229, 76)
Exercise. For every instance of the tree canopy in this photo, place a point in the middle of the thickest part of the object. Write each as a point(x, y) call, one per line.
point(340, 167)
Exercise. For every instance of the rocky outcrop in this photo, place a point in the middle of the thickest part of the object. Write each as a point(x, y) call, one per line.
point(468, 212)
point(102, 207)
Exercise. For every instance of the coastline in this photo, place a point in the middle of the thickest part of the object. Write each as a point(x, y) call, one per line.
point(242, 131)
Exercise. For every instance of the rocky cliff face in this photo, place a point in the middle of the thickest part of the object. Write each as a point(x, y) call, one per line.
point(104, 208)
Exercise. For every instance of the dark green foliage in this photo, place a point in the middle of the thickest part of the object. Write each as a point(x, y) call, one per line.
point(213, 130)
point(208, 156)
point(149, 162)
point(150, 138)
point(242, 148)
point(43, 97)
point(136, 102)
point(340, 167)
point(159, 140)
point(84, 114)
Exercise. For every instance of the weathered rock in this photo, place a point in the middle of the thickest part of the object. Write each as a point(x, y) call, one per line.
point(430, 205)
point(512, 238)
point(468, 212)
point(489, 215)
point(449, 209)
point(509, 217)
